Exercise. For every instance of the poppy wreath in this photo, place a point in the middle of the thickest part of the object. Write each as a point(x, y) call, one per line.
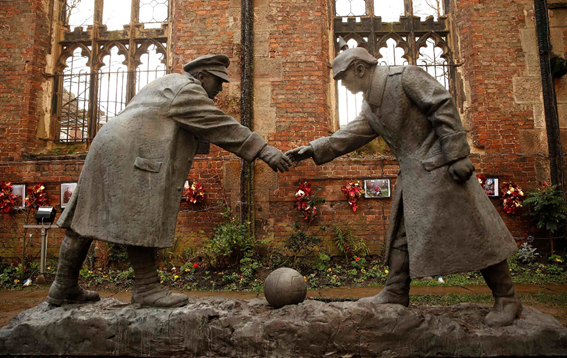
point(512, 197)
point(7, 202)
point(481, 179)
point(195, 193)
point(353, 191)
point(37, 196)
point(305, 202)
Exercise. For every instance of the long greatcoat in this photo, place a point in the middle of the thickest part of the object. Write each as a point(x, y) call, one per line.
point(451, 227)
point(131, 184)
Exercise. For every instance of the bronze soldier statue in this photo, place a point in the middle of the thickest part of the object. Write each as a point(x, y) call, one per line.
point(131, 184)
point(442, 221)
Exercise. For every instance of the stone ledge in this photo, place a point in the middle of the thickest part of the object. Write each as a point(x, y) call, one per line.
point(220, 327)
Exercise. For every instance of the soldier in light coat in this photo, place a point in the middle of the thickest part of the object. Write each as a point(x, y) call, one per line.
point(131, 184)
point(442, 221)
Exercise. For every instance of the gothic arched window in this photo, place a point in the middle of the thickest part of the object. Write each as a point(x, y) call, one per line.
point(110, 49)
point(396, 32)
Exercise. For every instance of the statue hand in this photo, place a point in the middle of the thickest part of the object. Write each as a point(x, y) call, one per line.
point(300, 153)
point(461, 170)
point(275, 159)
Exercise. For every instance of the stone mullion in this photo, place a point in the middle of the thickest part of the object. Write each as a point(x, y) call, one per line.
point(408, 7)
point(132, 60)
point(412, 45)
point(370, 8)
point(93, 87)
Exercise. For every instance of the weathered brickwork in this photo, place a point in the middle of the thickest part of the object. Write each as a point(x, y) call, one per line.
point(24, 43)
point(499, 94)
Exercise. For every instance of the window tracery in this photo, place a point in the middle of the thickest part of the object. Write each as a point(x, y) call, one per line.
point(396, 32)
point(109, 50)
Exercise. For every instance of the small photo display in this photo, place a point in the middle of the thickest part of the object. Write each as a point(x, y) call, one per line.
point(491, 187)
point(67, 190)
point(377, 188)
point(19, 192)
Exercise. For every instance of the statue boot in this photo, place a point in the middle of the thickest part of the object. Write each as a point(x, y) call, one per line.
point(65, 289)
point(397, 286)
point(507, 305)
point(147, 288)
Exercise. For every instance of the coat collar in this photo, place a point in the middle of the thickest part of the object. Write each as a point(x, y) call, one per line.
point(378, 84)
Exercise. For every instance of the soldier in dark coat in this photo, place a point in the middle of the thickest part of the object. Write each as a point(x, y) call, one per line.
point(442, 222)
point(131, 184)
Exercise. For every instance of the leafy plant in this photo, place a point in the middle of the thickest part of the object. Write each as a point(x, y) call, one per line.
point(548, 208)
point(230, 242)
point(527, 253)
point(556, 259)
point(300, 242)
point(169, 255)
point(321, 262)
point(348, 244)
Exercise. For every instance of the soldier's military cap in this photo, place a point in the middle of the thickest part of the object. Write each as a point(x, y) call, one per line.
point(214, 64)
point(342, 62)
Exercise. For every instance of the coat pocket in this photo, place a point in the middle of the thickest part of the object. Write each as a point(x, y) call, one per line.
point(149, 165)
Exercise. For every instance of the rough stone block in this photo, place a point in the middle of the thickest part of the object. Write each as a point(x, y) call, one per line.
point(557, 42)
point(262, 204)
point(533, 141)
point(265, 18)
point(268, 68)
point(561, 89)
point(539, 116)
point(265, 177)
point(532, 64)
point(563, 136)
point(264, 121)
point(527, 90)
point(562, 115)
point(221, 327)
point(529, 40)
point(261, 44)
point(542, 170)
point(262, 94)
point(557, 18)
point(231, 175)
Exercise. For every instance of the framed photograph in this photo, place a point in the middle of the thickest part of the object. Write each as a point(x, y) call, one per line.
point(377, 188)
point(491, 187)
point(67, 190)
point(19, 191)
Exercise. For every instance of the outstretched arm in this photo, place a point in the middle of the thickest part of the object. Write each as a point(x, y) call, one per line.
point(196, 113)
point(353, 136)
point(300, 153)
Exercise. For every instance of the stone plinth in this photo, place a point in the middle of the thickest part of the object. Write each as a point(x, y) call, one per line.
point(219, 327)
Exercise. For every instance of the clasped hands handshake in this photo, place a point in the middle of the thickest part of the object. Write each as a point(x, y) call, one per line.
point(281, 162)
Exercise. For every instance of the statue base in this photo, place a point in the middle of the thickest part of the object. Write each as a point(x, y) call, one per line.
point(220, 327)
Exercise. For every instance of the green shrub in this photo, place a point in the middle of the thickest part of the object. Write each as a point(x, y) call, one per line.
point(321, 262)
point(548, 208)
point(230, 242)
point(348, 244)
point(300, 243)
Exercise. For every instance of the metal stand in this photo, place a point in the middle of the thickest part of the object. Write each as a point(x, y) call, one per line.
point(41, 278)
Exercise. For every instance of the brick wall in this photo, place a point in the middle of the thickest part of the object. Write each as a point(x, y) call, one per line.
point(24, 43)
point(499, 93)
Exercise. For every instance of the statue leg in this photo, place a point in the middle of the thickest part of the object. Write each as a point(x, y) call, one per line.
point(398, 283)
point(507, 305)
point(66, 289)
point(147, 288)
